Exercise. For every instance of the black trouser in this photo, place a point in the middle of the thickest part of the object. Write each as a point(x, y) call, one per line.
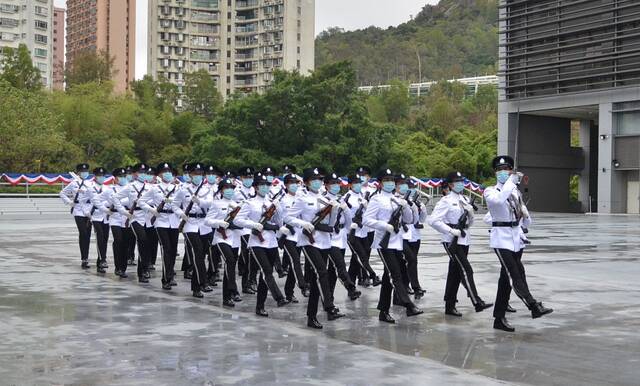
point(248, 269)
point(392, 280)
point(214, 260)
point(131, 246)
point(411, 257)
point(292, 256)
point(208, 254)
point(102, 239)
point(513, 275)
point(195, 245)
point(459, 271)
point(265, 258)
point(121, 239)
point(359, 266)
point(84, 235)
point(229, 258)
point(187, 257)
point(142, 240)
point(336, 268)
point(316, 272)
point(169, 247)
point(152, 244)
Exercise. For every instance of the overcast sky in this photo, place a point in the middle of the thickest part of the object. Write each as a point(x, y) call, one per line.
point(347, 14)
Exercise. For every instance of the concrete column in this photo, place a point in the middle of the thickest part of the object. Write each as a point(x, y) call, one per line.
point(585, 143)
point(605, 154)
point(507, 124)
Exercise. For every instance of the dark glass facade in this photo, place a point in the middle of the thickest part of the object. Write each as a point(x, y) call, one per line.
point(556, 47)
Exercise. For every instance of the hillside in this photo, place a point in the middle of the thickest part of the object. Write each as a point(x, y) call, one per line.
point(454, 38)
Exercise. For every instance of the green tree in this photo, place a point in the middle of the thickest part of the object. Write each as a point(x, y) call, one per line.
point(201, 94)
point(18, 69)
point(90, 67)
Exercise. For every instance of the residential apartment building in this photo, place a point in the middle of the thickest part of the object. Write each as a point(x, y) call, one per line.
point(58, 48)
point(238, 42)
point(29, 22)
point(104, 25)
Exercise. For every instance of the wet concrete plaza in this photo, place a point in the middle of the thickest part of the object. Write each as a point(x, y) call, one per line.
point(61, 325)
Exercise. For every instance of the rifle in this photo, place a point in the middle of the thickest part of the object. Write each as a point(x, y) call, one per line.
point(283, 237)
point(462, 224)
point(75, 198)
point(229, 219)
point(160, 207)
point(135, 203)
point(357, 217)
point(394, 221)
point(195, 194)
point(320, 215)
point(268, 215)
point(336, 226)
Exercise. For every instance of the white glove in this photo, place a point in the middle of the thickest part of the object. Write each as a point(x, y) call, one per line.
point(516, 177)
point(153, 211)
point(285, 231)
point(365, 203)
point(403, 203)
point(467, 206)
point(344, 206)
point(354, 226)
point(223, 224)
point(334, 203)
point(168, 200)
point(257, 226)
point(308, 227)
point(389, 228)
point(196, 199)
point(184, 217)
point(525, 211)
point(455, 232)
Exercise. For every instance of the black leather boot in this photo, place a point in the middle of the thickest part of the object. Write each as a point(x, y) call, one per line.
point(412, 310)
point(481, 305)
point(385, 317)
point(538, 310)
point(313, 322)
point(502, 324)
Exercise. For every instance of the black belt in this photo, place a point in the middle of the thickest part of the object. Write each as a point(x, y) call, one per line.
point(419, 226)
point(324, 228)
point(168, 211)
point(197, 215)
point(509, 224)
point(233, 226)
point(77, 202)
point(271, 227)
point(455, 226)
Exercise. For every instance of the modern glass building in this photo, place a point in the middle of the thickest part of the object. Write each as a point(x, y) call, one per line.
point(570, 101)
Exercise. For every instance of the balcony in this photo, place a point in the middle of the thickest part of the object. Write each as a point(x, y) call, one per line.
point(203, 55)
point(245, 29)
point(203, 41)
point(206, 4)
point(245, 55)
point(246, 17)
point(246, 4)
point(247, 43)
point(208, 17)
point(251, 82)
point(246, 70)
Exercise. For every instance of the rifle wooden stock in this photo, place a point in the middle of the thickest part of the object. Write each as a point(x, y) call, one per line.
point(195, 194)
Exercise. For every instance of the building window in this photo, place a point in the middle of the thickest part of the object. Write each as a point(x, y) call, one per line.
point(41, 11)
point(6, 22)
point(41, 24)
point(627, 118)
point(40, 52)
point(40, 39)
point(42, 66)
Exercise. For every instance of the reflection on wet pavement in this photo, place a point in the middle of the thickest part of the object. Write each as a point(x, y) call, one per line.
point(61, 325)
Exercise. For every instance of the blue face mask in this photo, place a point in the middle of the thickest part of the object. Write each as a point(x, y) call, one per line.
point(270, 179)
point(458, 186)
point(403, 188)
point(167, 176)
point(263, 190)
point(292, 188)
point(129, 177)
point(247, 182)
point(334, 189)
point(100, 179)
point(228, 193)
point(151, 178)
point(186, 178)
point(356, 187)
point(502, 176)
point(315, 185)
point(122, 181)
point(364, 179)
point(388, 186)
point(84, 175)
point(197, 180)
point(212, 179)
point(141, 177)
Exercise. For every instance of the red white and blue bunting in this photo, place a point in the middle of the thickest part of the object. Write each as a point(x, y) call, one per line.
point(52, 179)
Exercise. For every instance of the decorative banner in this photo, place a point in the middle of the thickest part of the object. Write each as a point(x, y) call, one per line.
point(51, 179)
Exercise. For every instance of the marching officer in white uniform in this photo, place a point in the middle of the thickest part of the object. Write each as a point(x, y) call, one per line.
point(99, 218)
point(378, 216)
point(226, 237)
point(262, 243)
point(191, 204)
point(315, 245)
point(508, 216)
point(246, 266)
point(78, 196)
point(115, 209)
point(445, 219)
point(156, 201)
